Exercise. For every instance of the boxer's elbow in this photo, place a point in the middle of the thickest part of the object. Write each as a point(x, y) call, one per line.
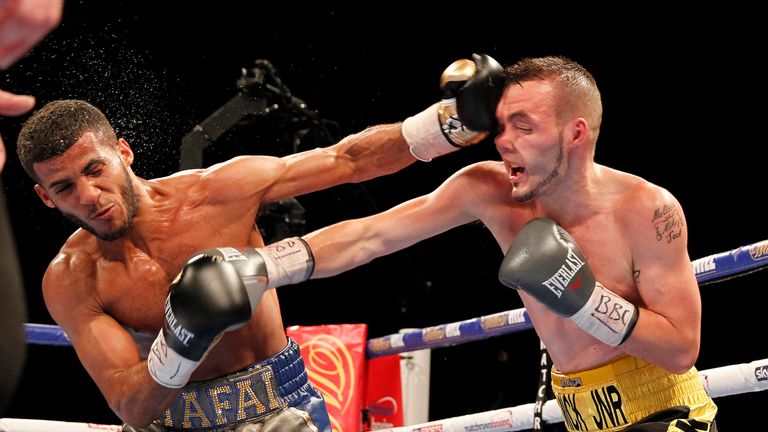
point(685, 358)
point(138, 408)
point(136, 418)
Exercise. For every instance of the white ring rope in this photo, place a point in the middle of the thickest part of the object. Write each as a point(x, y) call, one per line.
point(721, 381)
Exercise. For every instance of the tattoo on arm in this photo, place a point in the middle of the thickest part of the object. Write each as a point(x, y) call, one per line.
point(636, 275)
point(668, 223)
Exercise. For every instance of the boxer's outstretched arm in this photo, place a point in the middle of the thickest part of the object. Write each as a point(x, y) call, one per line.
point(472, 87)
point(252, 180)
point(104, 347)
point(376, 151)
point(345, 245)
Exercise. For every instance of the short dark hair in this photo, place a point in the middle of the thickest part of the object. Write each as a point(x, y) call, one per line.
point(54, 128)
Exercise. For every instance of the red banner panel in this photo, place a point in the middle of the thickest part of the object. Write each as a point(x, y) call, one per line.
point(384, 396)
point(334, 356)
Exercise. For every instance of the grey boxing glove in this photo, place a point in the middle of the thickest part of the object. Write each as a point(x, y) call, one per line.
point(545, 262)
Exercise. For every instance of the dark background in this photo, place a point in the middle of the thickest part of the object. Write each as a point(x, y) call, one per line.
point(684, 109)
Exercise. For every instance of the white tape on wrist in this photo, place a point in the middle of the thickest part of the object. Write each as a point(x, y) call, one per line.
point(606, 316)
point(289, 261)
point(168, 367)
point(424, 136)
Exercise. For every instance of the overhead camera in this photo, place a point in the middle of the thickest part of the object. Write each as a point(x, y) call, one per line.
point(261, 93)
point(261, 79)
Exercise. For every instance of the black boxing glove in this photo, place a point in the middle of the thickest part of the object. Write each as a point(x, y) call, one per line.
point(476, 97)
point(467, 112)
point(217, 291)
point(546, 262)
point(206, 299)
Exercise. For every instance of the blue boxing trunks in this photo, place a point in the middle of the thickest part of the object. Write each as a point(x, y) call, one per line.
point(629, 394)
point(273, 394)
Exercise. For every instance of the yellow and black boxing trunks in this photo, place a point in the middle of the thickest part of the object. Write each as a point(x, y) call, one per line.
point(629, 394)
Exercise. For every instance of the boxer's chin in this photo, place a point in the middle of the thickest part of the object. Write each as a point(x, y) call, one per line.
point(109, 234)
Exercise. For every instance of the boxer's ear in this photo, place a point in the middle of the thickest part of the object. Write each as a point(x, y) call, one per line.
point(41, 192)
point(125, 151)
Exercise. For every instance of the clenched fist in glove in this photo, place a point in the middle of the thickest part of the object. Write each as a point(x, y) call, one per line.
point(217, 291)
point(467, 112)
point(546, 262)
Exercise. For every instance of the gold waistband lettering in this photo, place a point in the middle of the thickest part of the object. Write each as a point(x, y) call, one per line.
point(242, 396)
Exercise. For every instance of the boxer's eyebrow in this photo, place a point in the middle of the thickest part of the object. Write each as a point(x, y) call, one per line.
point(84, 171)
point(89, 166)
point(57, 183)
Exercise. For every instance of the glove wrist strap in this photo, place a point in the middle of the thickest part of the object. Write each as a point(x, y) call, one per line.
point(454, 130)
point(607, 316)
point(289, 261)
point(425, 136)
point(167, 367)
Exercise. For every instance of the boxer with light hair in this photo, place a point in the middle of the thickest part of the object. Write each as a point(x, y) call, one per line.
point(598, 256)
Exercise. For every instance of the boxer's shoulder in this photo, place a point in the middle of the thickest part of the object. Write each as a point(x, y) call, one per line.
point(177, 179)
point(197, 185)
point(81, 248)
point(68, 285)
point(628, 190)
point(73, 265)
point(642, 205)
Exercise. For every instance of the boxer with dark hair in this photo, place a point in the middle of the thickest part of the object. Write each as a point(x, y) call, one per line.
point(190, 340)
